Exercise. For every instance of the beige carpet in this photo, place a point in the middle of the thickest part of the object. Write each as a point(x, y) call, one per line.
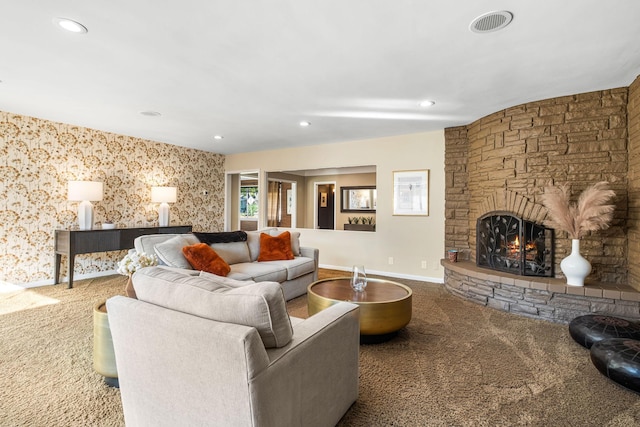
point(456, 364)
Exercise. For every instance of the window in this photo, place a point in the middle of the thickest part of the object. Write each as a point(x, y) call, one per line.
point(249, 201)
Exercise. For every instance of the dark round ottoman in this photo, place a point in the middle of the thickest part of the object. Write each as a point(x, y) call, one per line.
point(591, 328)
point(617, 358)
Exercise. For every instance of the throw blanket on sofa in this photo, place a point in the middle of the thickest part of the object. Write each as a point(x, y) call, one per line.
point(222, 237)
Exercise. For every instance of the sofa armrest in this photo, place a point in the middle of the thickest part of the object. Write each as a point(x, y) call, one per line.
point(312, 253)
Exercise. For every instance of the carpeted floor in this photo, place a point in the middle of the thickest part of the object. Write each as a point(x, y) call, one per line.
point(455, 364)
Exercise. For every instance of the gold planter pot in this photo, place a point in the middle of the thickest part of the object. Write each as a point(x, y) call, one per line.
point(104, 359)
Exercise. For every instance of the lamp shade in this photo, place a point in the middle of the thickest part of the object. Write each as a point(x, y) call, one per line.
point(80, 191)
point(164, 194)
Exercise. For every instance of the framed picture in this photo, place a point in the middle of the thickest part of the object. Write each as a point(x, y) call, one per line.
point(358, 199)
point(323, 200)
point(411, 192)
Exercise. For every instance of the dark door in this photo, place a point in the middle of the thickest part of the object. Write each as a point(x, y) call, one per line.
point(326, 197)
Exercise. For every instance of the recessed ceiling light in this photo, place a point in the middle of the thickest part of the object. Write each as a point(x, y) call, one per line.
point(150, 113)
point(71, 25)
point(218, 137)
point(427, 103)
point(305, 124)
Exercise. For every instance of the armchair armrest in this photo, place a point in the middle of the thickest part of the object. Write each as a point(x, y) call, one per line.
point(315, 377)
point(344, 314)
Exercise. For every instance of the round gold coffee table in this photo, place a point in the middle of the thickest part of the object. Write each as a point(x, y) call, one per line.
point(385, 306)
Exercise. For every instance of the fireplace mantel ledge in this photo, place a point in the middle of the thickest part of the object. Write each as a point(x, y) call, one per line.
point(538, 297)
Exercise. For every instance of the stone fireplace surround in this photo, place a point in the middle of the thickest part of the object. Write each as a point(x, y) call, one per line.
point(504, 161)
point(542, 298)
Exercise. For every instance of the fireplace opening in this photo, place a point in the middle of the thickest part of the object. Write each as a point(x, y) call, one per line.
point(505, 242)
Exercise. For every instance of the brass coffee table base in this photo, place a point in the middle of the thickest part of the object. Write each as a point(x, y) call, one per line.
point(385, 306)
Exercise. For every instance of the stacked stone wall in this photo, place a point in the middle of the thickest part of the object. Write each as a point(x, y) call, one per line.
point(579, 139)
point(457, 193)
point(633, 221)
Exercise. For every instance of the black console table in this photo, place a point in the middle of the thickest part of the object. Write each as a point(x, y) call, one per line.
point(74, 242)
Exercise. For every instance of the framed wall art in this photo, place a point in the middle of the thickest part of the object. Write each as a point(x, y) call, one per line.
point(358, 199)
point(411, 192)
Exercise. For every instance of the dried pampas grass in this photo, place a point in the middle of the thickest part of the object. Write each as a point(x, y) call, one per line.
point(591, 213)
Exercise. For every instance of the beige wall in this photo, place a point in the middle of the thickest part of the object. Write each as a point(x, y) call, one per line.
point(38, 157)
point(408, 239)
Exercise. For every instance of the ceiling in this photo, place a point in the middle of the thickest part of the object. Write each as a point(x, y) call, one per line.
point(252, 70)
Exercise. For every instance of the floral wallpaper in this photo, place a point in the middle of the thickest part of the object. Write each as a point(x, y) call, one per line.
point(38, 158)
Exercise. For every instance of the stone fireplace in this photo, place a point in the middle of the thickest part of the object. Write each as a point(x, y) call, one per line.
point(578, 139)
point(504, 161)
point(509, 243)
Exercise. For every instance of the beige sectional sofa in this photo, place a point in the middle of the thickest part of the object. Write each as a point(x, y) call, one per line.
point(196, 350)
point(242, 256)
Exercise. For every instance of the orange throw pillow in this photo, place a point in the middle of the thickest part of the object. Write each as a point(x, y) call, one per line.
point(275, 248)
point(202, 257)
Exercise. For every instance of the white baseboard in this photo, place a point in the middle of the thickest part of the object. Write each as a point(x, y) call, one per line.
point(388, 274)
point(65, 280)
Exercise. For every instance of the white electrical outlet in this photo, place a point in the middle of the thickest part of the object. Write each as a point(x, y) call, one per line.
point(390, 260)
point(423, 265)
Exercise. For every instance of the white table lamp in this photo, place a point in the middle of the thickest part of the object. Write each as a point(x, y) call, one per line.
point(85, 192)
point(164, 196)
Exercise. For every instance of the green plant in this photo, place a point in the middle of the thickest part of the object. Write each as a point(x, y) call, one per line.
point(356, 220)
point(350, 220)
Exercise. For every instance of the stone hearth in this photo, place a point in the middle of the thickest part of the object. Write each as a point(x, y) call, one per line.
point(543, 298)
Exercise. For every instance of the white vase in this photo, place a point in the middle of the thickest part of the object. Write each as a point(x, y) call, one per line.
point(575, 267)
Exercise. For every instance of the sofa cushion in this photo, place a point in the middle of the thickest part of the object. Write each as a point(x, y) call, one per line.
point(274, 248)
point(253, 241)
point(170, 252)
point(221, 237)
point(238, 275)
point(260, 305)
point(295, 239)
point(259, 272)
point(146, 243)
point(202, 257)
point(233, 252)
point(295, 242)
point(296, 267)
point(226, 281)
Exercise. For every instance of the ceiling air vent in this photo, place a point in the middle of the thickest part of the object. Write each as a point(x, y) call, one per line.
point(492, 21)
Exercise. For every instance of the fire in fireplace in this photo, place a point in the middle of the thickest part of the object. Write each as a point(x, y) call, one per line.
point(505, 242)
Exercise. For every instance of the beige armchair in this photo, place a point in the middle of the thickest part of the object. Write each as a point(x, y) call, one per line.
point(186, 369)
